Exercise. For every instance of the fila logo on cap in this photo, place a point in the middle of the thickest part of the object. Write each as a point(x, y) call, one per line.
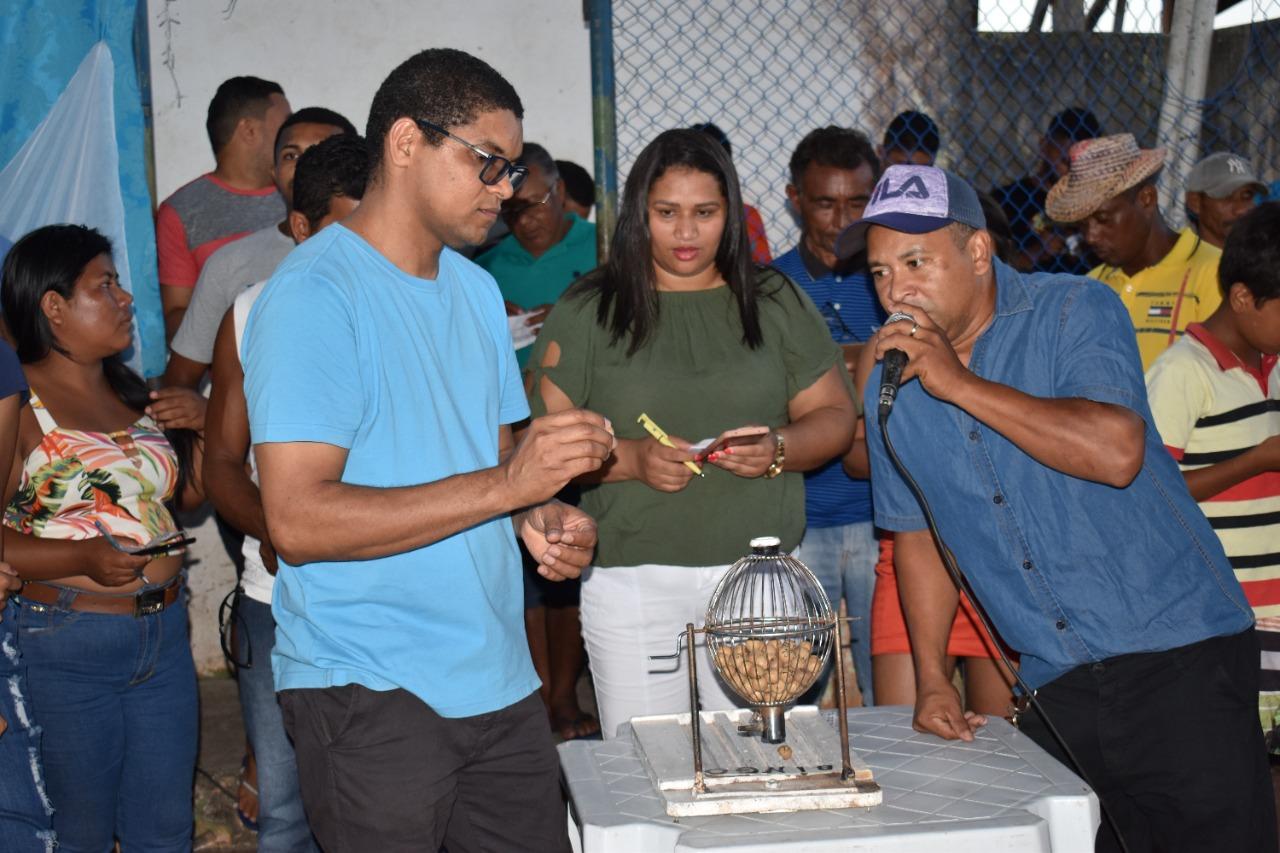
point(915, 190)
point(914, 200)
point(913, 187)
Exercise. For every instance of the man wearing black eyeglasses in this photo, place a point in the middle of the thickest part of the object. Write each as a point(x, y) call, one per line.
point(547, 250)
point(381, 384)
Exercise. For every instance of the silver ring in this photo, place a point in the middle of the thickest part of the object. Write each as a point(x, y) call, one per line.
point(914, 326)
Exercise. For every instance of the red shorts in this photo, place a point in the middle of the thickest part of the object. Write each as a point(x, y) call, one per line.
point(889, 626)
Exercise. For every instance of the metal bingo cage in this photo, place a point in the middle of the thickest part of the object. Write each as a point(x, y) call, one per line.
point(991, 87)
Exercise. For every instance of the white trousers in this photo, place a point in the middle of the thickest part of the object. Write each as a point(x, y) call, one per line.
point(632, 612)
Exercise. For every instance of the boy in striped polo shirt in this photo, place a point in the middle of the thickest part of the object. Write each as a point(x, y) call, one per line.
point(1215, 395)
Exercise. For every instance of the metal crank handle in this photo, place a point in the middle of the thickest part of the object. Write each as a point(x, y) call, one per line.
point(675, 656)
point(755, 727)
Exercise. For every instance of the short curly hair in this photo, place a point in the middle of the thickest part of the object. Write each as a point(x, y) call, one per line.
point(1251, 254)
point(913, 131)
point(839, 147)
point(444, 86)
point(237, 98)
point(337, 166)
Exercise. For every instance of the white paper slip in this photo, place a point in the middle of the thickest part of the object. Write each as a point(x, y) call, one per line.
point(522, 334)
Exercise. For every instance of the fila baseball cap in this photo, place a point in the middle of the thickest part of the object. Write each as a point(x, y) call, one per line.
point(916, 200)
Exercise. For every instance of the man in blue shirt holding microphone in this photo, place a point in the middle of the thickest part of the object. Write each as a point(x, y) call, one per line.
point(1028, 431)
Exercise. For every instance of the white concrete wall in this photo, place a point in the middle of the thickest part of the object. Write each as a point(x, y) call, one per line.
point(210, 577)
point(335, 53)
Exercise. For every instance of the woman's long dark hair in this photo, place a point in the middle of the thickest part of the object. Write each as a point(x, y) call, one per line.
point(626, 283)
point(52, 258)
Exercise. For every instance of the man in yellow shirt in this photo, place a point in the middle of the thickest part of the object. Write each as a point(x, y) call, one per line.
point(1167, 279)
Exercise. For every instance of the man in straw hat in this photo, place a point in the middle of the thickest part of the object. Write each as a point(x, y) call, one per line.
point(1029, 435)
point(1166, 279)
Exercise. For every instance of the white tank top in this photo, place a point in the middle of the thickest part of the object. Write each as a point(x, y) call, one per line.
point(257, 581)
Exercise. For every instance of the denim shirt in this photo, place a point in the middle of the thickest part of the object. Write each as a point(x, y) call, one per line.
point(1070, 571)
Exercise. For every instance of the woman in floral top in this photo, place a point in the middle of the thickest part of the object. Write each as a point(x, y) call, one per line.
point(102, 630)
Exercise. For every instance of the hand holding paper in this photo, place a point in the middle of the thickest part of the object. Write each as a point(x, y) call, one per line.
point(729, 438)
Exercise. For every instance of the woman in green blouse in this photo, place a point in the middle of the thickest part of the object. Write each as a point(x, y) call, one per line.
point(679, 324)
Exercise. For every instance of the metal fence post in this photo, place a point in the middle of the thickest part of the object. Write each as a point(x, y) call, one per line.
point(1068, 16)
point(1181, 113)
point(599, 14)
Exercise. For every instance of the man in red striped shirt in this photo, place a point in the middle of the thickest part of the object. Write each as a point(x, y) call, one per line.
point(1215, 395)
point(237, 198)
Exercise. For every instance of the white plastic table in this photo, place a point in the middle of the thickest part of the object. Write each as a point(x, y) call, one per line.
point(999, 793)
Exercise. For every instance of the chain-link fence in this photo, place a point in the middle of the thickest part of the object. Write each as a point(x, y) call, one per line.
point(769, 71)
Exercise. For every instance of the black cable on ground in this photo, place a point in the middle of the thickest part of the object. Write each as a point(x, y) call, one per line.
point(213, 781)
point(962, 584)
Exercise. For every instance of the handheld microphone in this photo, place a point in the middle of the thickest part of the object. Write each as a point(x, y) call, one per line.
point(895, 361)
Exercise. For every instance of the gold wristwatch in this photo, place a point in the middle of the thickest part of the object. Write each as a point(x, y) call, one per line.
point(779, 457)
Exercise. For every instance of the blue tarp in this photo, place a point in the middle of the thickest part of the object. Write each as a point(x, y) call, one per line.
point(46, 44)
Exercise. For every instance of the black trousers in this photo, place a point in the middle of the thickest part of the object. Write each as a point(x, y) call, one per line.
point(1172, 744)
point(382, 771)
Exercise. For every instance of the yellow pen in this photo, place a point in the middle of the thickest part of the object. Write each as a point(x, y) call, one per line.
point(662, 438)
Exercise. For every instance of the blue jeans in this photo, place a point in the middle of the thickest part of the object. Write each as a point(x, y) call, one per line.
point(116, 698)
point(844, 560)
point(282, 823)
point(26, 818)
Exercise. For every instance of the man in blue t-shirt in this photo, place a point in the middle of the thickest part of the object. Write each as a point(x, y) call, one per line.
point(832, 173)
point(1029, 435)
point(381, 384)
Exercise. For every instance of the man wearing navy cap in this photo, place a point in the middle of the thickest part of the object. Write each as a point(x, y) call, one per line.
point(1029, 434)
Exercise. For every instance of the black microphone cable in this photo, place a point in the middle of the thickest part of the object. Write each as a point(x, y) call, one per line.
point(962, 584)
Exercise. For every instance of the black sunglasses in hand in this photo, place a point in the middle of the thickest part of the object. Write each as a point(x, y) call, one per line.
point(493, 168)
